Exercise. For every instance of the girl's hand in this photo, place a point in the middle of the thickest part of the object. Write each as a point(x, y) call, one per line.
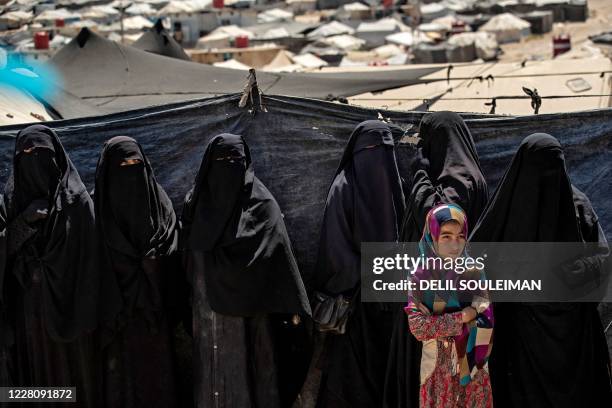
point(468, 314)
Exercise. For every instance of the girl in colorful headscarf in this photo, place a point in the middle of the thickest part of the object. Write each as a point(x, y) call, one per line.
point(455, 327)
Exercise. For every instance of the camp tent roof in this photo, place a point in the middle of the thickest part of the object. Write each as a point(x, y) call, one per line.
point(274, 15)
point(141, 9)
point(17, 16)
point(232, 64)
point(505, 21)
point(117, 77)
point(345, 42)
point(158, 41)
point(551, 78)
point(329, 29)
point(308, 60)
point(17, 106)
point(293, 28)
point(385, 24)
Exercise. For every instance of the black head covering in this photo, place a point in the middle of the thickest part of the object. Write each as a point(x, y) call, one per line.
point(454, 172)
point(232, 217)
point(138, 227)
point(133, 211)
point(37, 173)
point(66, 247)
point(365, 203)
point(534, 200)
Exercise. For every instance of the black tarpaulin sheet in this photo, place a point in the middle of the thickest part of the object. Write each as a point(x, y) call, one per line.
point(297, 144)
point(116, 77)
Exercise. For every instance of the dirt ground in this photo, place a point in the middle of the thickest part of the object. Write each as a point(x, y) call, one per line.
point(540, 46)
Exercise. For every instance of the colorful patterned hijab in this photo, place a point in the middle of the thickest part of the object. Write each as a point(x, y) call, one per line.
point(473, 346)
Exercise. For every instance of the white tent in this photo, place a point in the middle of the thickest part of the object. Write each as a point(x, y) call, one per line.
point(274, 33)
point(58, 14)
point(507, 27)
point(510, 78)
point(345, 42)
point(485, 43)
point(130, 25)
point(233, 64)
point(388, 51)
point(102, 14)
point(221, 37)
point(15, 19)
point(184, 7)
point(329, 29)
point(432, 11)
point(143, 9)
point(353, 11)
point(232, 30)
point(374, 33)
point(309, 61)
point(385, 24)
point(17, 106)
point(274, 16)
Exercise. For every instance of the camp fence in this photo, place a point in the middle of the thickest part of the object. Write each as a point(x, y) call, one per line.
point(297, 143)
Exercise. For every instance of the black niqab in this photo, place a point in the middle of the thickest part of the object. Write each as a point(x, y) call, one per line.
point(534, 201)
point(231, 216)
point(365, 203)
point(454, 172)
point(134, 212)
point(38, 170)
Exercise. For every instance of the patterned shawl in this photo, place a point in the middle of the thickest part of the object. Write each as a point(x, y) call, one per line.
point(474, 344)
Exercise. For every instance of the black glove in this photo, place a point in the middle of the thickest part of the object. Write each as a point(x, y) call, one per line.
point(37, 210)
point(419, 162)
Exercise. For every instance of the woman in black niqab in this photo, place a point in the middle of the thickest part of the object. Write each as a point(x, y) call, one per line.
point(138, 230)
point(365, 203)
point(55, 285)
point(243, 273)
point(6, 331)
point(547, 354)
point(446, 170)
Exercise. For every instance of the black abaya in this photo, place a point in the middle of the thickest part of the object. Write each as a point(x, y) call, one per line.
point(6, 331)
point(243, 274)
point(138, 229)
point(56, 285)
point(454, 175)
point(365, 203)
point(546, 354)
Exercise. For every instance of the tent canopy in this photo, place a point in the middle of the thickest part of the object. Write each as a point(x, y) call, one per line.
point(116, 77)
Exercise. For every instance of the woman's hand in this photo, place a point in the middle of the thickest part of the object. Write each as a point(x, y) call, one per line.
point(468, 314)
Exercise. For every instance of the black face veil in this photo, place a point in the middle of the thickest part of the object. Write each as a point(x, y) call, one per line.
point(365, 203)
point(455, 173)
point(235, 221)
point(135, 214)
point(534, 201)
